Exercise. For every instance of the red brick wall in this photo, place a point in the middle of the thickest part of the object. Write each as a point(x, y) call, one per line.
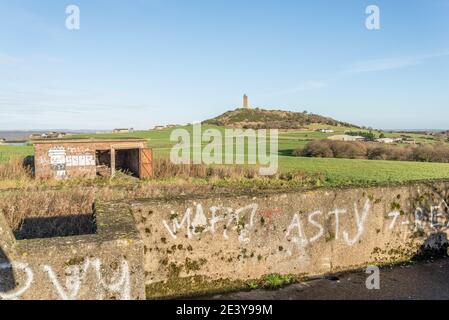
point(70, 160)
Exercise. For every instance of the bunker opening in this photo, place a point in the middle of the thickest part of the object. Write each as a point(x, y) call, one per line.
point(123, 160)
point(103, 162)
point(57, 226)
point(127, 161)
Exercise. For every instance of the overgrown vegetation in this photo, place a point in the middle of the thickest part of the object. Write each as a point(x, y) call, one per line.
point(17, 173)
point(48, 212)
point(48, 207)
point(271, 119)
point(362, 150)
point(163, 168)
point(15, 168)
point(276, 281)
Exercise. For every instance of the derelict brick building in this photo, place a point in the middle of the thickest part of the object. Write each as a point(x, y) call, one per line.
point(87, 158)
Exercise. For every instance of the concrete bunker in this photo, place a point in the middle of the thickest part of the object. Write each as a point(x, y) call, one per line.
point(104, 264)
point(88, 158)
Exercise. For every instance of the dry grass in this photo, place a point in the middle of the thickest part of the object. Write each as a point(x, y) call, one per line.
point(47, 208)
point(42, 208)
point(15, 169)
point(163, 168)
point(15, 173)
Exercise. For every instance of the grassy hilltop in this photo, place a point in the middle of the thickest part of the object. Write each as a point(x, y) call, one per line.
point(272, 119)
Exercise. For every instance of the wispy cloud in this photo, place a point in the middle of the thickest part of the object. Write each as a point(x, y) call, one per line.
point(7, 59)
point(375, 65)
point(378, 65)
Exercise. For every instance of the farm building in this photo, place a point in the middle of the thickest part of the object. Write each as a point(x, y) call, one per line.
point(386, 140)
point(88, 158)
point(325, 130)
point(346, 137)
point(123, 130)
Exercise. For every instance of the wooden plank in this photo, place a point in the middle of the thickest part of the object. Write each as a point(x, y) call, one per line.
point(146, 163)
point(112, 162)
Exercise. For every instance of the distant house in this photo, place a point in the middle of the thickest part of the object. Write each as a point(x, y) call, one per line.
point(386, 140)
point(169, 126)
point(123, 130)
point(2, 140)
point(326, 130)
point(56, 135)
point(35, 136)
point(409, 141)
point(346, 137)
point(47, 135)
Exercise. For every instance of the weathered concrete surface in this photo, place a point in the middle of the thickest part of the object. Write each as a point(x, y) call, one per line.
point(104, 265)
point(417, 281)
point(7, 240)
point(216, 242)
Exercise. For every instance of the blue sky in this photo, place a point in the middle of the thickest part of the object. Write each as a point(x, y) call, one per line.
point(138, 63)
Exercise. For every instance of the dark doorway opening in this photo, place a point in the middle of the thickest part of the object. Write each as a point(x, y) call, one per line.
point(127, 160)
point(103, 162)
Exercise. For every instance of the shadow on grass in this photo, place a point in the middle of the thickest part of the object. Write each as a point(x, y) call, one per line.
point(286, 152)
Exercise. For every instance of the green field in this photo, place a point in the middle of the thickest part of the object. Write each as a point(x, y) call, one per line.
point(337, 171)
point(6, 152)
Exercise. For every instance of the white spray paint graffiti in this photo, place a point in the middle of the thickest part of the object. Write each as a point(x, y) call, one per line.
point(201, 224)
point(195, 222)
point(436, 216)
point(298, 239)
point(16, 294)
point(76, 274)
point(75, 277)
point(360, 223)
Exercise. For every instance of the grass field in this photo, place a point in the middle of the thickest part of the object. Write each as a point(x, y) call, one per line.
point(6, 152)
point(337, 171)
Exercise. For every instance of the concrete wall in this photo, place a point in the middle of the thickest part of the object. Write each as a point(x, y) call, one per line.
point(68, 159)
point(198, 244)
point(104, 265)
point(187, 245)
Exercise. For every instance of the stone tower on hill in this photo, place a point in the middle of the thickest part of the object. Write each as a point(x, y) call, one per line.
point(245, 102)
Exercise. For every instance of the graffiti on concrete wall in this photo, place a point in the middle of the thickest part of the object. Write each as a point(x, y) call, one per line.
point(75, 277)
point(298, 241)
point(194, 222)
point(305, 228)
point(17, 292)
point(436, 217)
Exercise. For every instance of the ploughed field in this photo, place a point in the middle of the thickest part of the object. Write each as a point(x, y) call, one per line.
point(336, 171)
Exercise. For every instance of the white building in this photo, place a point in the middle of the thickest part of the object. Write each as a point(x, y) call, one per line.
point(123, 130)
point(386, 140)
point(346, 137)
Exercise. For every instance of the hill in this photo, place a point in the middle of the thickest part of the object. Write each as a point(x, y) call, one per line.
point(271, 119)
